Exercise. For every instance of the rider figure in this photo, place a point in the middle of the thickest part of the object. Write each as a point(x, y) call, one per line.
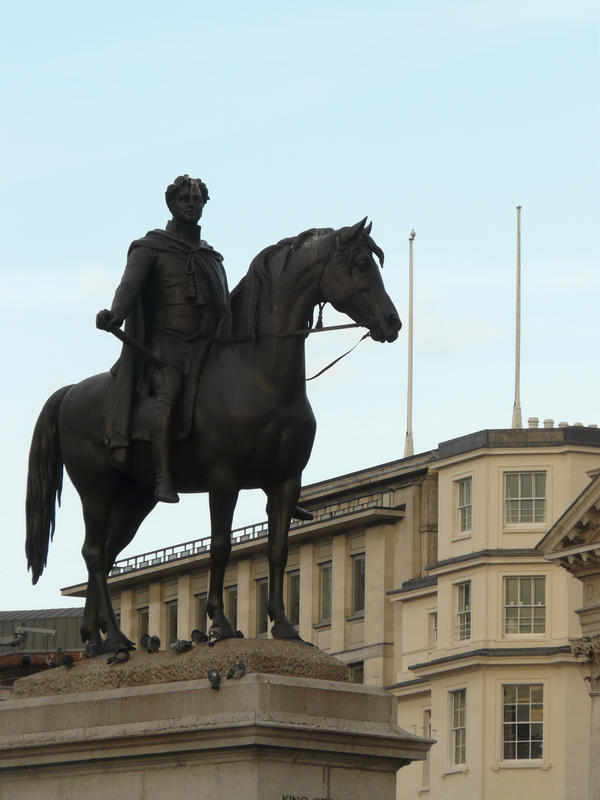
point(173, 295)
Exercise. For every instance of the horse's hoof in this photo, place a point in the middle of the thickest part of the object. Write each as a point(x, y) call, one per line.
point(93, 650)
point(285, 630)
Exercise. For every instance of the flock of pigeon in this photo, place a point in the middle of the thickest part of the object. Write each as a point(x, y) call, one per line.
point(152, 645)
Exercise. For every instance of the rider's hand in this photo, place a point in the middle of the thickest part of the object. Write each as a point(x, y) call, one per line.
point(105, 320)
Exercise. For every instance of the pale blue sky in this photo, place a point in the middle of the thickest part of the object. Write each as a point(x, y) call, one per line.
point(437, 116)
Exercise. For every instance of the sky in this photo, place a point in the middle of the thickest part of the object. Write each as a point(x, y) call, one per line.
point(442, 117)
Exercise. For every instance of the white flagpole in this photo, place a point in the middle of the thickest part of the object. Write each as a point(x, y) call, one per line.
point(409, 449)
point(516, 416)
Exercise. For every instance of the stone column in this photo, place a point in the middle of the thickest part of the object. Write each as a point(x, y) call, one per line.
point(128, 614)
point(588, 649)
point(339, 575)
point(246, 615)
point(157, 612)
point(186, 607)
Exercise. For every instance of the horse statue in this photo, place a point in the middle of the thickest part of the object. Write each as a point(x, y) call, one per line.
point(252, 426)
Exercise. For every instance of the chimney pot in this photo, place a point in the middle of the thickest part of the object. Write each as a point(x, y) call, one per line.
point(578, 424)
point(533, 422)
point(563, 424)
point(548, 423)
point(592, 426)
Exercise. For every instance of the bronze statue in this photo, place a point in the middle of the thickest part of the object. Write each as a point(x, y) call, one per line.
point(173, 294)
point(249, 423)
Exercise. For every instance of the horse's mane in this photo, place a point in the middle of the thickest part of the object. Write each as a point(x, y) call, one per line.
point(241, 318)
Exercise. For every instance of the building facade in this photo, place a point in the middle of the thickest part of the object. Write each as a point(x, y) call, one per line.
point(422, 575)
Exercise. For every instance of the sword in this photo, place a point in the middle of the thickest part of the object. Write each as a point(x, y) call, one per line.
point(143, 351)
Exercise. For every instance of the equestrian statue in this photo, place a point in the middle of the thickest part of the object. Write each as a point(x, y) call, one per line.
point(209, 395)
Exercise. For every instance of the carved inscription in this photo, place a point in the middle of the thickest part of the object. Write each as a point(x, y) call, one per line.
point(302, 797)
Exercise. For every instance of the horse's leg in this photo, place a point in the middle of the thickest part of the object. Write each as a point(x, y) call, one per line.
point(96, 511)
point(222, 505)
point(282, 499)
point(132, 505)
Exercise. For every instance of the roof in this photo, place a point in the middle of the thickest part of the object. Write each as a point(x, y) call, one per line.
point(41, 613)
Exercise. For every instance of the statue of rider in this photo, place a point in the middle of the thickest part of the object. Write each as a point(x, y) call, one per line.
point(173, 295)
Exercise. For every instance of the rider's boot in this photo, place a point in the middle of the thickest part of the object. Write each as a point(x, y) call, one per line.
point(163, 490)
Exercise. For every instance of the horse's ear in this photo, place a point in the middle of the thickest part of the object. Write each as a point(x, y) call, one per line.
point(350, 233)
point(368, 228)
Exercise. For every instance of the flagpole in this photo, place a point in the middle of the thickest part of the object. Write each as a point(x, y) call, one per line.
point(409, 448)
point(516, 416)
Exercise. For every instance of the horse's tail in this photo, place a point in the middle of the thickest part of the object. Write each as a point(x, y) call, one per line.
point(44, 484)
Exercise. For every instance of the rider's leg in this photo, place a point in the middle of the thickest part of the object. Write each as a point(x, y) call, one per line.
point(167, 384)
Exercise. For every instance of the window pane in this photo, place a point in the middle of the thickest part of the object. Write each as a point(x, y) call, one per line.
point(262, 594)
point(512, 485)
point(526, 511)
point(512, 591)
point(537, 750)
point(540, 510)
point(325, 592)
point(537, 694)
point(539, 590)
point(358, 584)
point(526, 484)
point(510, 694)
point(540, 484)
point(293, 604)
point(526, 591)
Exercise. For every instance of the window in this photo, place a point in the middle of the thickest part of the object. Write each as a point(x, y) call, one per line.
point(525, 604)
point(525, 494)
point(262, 599)
point(432, 620)
point(463, 610)
point(358, 584)
point(171, 622)
point(427, 735)
point(523, 722)
point(465, 507)
point(293, 598)
point(201, 612)
point(230, 604)
point(143, 621)
point(458, 726)
point(325, 592)
point(357, 672)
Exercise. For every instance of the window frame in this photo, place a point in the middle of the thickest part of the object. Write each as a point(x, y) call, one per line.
point(293, 578)
point(229, 592)
point(464, 615)
point(504, 723)
point(172, 621)
point(262, 599)
point(533, 577)
point(454, 740)
point(518, 500)
point(432, 629)
point(463, 508)
point(358, 593)
point(326, 567)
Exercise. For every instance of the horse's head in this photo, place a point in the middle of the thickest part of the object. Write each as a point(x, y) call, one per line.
point(352, 283)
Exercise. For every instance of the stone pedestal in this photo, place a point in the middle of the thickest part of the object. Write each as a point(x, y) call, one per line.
point(263, 737)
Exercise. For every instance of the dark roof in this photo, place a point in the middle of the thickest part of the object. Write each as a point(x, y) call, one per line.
point(41, 613)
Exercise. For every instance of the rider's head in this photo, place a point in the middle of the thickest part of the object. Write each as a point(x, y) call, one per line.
point(186, 198)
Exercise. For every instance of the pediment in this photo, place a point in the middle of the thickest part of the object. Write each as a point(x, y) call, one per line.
point(579, 526)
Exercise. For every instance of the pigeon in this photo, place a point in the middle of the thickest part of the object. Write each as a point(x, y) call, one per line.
point(67, 661)
point(237, 671)
point(214, 678)
point(120, 657)
point(181, 646)
point(150, 643)
point(198, 637)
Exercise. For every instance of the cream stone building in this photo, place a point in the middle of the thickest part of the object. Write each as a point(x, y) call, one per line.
point(422, 575)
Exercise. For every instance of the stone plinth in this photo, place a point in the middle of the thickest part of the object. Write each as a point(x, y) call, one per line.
point(262, 737)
